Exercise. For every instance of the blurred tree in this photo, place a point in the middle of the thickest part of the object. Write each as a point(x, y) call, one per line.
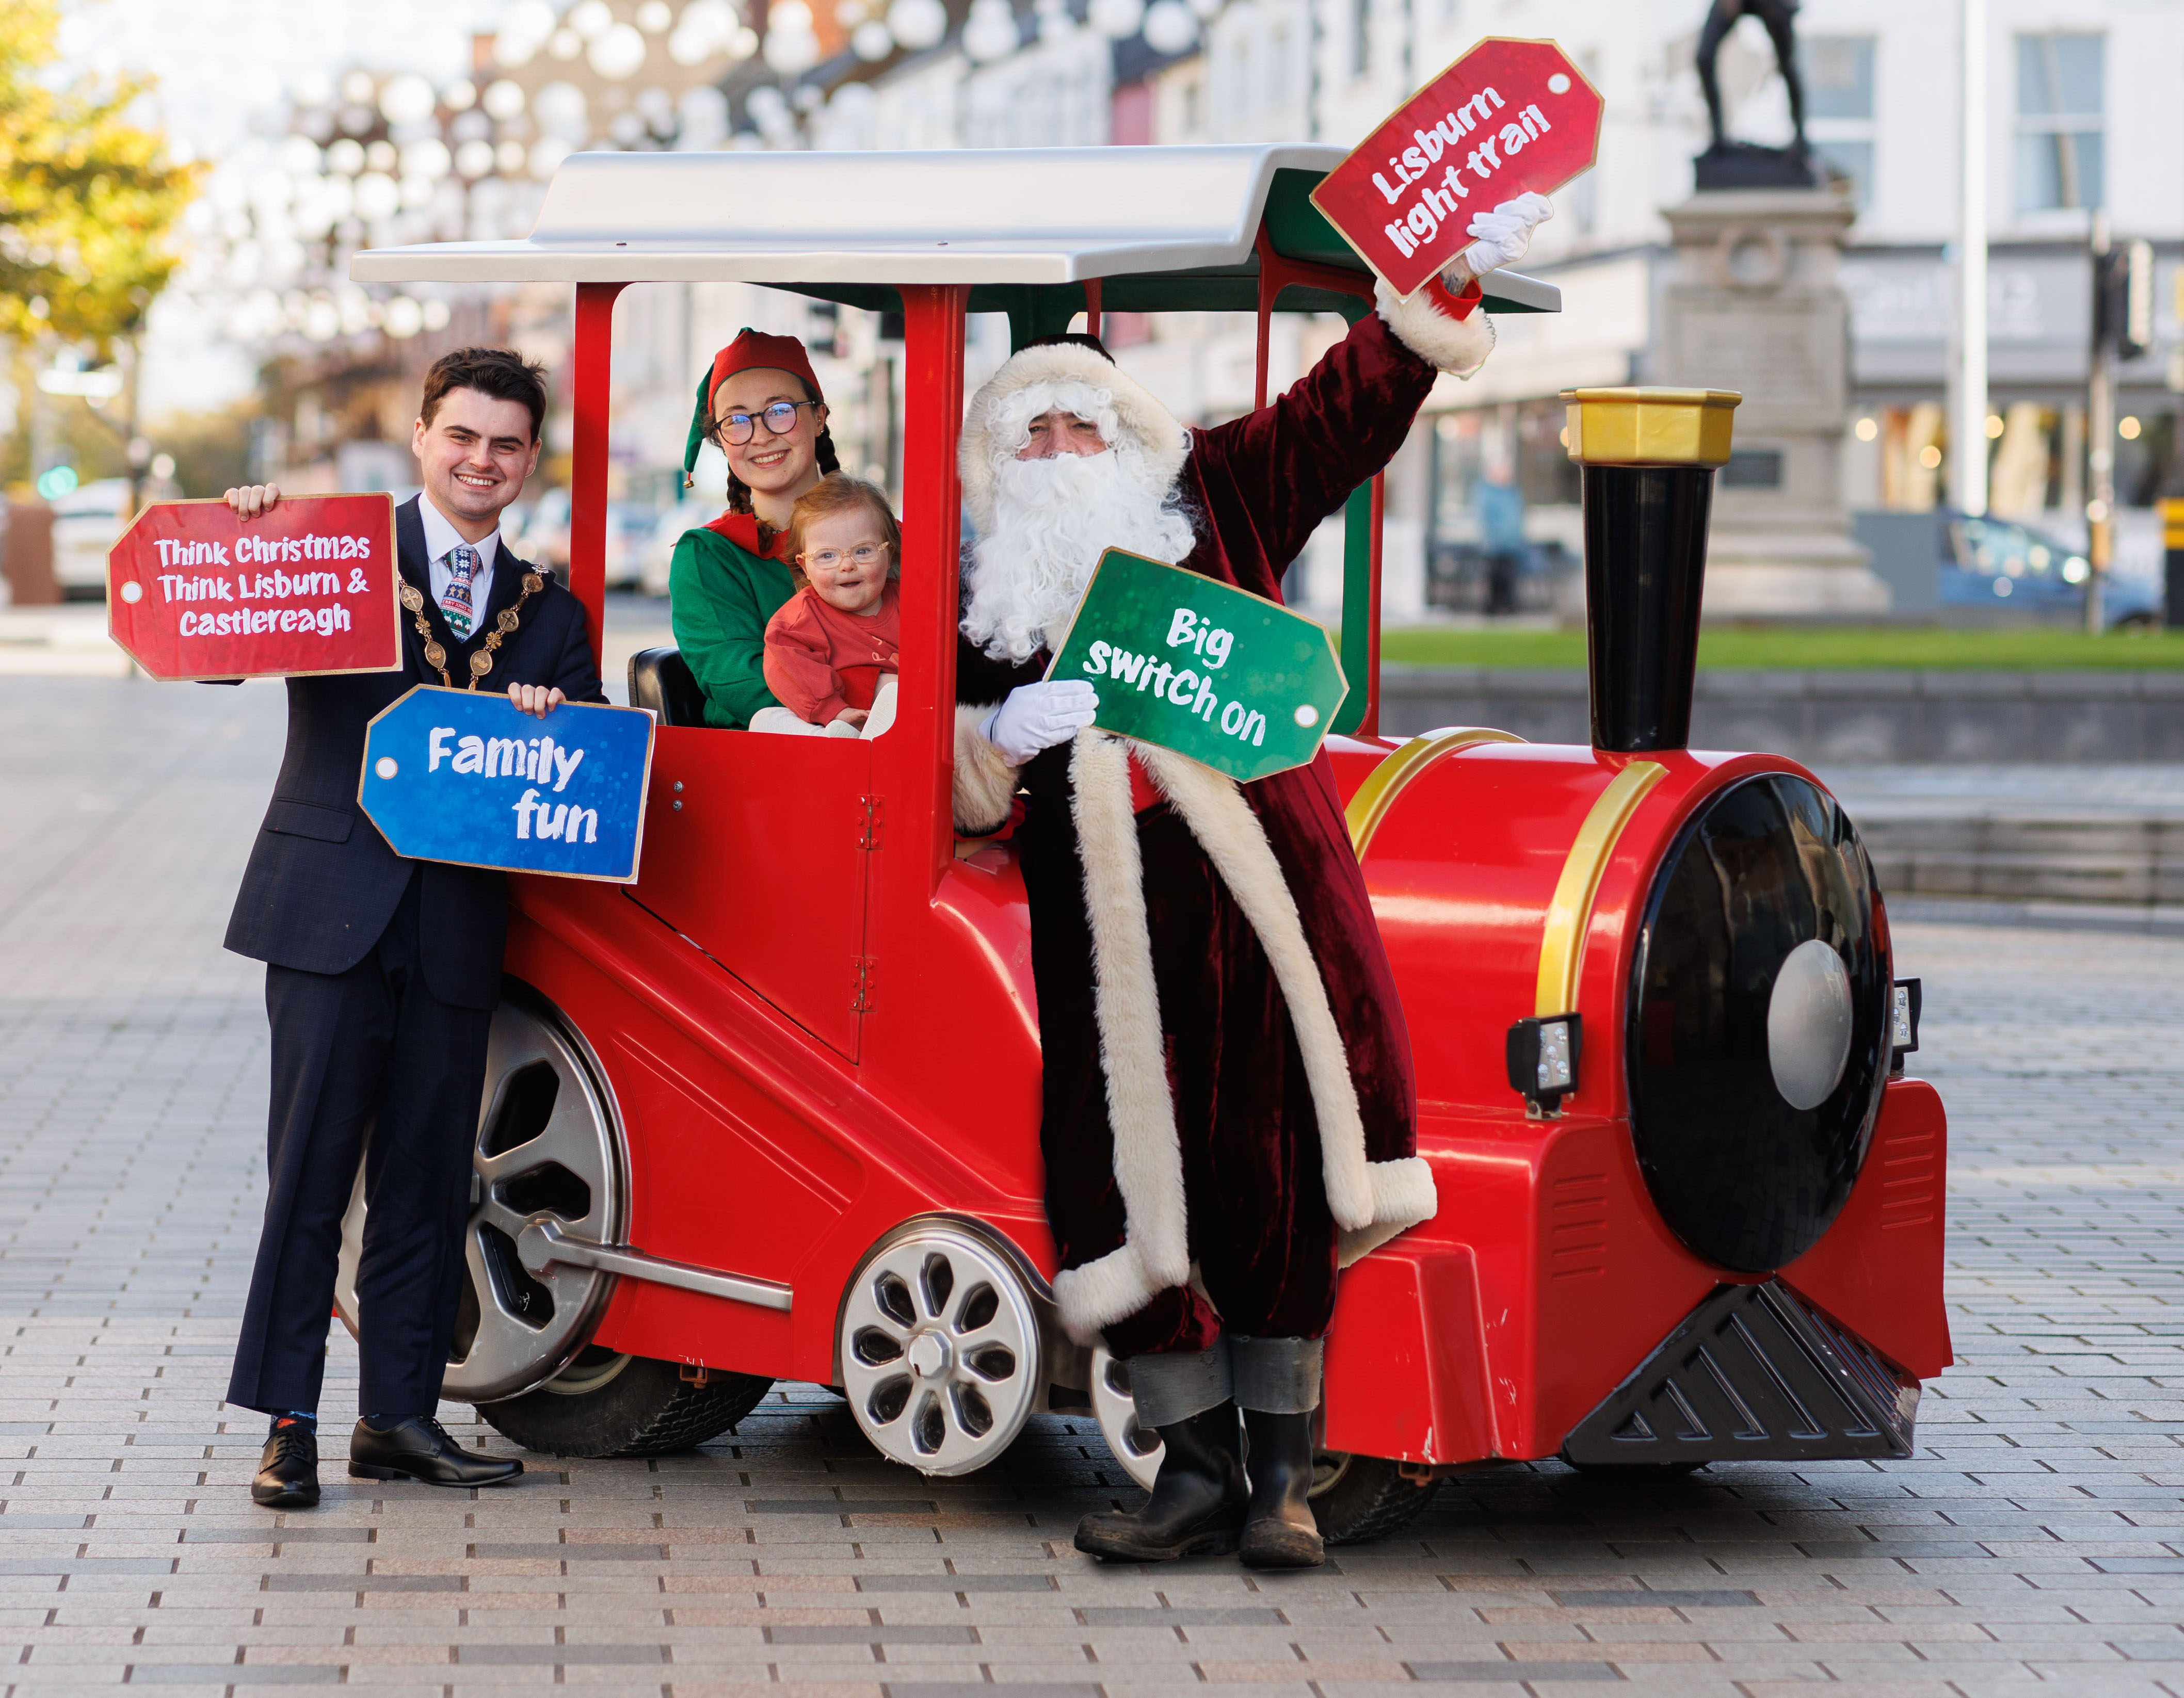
point(86, 198)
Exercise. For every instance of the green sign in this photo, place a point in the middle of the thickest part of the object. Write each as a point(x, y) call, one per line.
point(1236, 682)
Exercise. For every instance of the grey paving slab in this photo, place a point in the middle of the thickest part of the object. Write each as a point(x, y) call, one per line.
point(2037, 1539)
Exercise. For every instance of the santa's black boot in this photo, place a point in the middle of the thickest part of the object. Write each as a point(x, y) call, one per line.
point(1197, 1503)
point(1279, 1531)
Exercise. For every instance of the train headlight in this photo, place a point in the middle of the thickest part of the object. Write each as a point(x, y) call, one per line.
point(1758, 1034)
point(1808, 1021)
point(1542, 1060)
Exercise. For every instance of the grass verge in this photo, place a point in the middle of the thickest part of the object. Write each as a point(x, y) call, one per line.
point(1815, 649)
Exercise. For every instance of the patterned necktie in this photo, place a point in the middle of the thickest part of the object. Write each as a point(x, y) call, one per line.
point(462, 566)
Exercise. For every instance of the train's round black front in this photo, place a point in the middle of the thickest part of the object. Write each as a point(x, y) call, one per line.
point(1745, 1178)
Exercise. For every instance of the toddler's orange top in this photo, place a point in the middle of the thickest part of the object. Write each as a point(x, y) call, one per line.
point(820, 660)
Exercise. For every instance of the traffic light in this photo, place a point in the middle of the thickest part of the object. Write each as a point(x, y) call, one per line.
point(2123, 310)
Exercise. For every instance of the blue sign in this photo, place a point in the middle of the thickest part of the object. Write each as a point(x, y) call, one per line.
point(459, 776)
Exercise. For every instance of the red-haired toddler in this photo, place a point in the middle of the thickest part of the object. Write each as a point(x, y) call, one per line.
point(835, 639)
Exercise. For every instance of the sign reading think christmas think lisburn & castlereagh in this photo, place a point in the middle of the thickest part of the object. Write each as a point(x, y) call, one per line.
point(1236, 682)
point(460, 776)
point(1510, 115)
point(194, 592)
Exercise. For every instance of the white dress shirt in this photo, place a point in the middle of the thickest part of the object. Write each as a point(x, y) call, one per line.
point(440, 539)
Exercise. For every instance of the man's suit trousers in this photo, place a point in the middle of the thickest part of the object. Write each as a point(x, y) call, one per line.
point(367, 1064)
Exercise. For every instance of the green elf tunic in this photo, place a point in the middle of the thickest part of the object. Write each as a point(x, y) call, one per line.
point(723, 588)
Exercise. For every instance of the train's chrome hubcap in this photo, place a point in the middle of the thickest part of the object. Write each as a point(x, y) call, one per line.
point(941, 1357)
point(545, 1151)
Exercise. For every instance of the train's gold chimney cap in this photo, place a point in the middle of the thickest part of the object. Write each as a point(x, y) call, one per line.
point(1645, 426)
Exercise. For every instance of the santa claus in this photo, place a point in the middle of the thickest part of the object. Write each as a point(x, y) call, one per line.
point(1228, 1103)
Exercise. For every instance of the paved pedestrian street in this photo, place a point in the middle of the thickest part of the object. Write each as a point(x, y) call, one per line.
point(2037, 1537)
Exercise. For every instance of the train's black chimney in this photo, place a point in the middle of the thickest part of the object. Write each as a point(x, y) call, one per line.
point(1648, 457)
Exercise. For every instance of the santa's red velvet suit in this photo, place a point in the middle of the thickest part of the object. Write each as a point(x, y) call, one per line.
point(1227, 1098)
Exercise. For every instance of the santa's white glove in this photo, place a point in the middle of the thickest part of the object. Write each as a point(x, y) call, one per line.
point(1037, 716)
point(1505, 233)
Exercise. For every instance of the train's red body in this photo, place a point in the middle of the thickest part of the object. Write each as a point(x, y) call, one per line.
point(809, 1029)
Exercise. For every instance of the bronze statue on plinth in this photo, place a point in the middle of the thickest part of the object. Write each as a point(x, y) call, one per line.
point(1728, 164)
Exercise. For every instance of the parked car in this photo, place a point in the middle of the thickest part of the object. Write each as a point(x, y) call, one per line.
point(539, 532)
point(86, 520)
point(1947, 565)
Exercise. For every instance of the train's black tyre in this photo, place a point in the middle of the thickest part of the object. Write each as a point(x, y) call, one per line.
point(1358, 1499)
point(606, 1404)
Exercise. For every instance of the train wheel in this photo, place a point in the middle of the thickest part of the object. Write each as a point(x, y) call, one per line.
point(940, 1347)
point(1358, 1499)
point(1138, 1449)
point(608, 1404)
point(547, 1149)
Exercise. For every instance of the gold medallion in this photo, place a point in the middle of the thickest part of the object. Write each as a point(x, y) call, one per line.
point(480, 663)
point(413, 598)
point(435, 655)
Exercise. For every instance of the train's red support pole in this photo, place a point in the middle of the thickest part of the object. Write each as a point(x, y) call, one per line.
point(592, 381)
point(923, 829)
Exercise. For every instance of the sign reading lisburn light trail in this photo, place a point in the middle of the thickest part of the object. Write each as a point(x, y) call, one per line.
point(1234, 681)
point(461, 775)
point(1508, 116)
point(193, 591)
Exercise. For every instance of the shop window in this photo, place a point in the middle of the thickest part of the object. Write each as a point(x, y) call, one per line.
point(2059, 137)
point(1839, 106)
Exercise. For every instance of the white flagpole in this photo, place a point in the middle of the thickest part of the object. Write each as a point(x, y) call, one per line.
point(1967, 460)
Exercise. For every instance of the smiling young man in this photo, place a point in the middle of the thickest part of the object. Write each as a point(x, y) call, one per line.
point(381, 973)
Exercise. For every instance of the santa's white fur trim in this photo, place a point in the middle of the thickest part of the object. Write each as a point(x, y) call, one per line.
point(1447, 344)
point(1371, 1201)
point(1111, 1288)
point(1236, 843)
point(985, 783)
point(1126, 1008)
point(1152, 430)
point(1403, 1195)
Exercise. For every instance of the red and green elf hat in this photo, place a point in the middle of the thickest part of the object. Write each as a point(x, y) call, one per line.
point(750, 350)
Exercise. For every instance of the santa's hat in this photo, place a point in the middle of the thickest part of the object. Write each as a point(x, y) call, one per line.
point(1147, 426)
point(751, 350)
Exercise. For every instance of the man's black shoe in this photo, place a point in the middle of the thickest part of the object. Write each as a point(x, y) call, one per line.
point(1197, 1502)
point(417, 1447)
point(288, 1471)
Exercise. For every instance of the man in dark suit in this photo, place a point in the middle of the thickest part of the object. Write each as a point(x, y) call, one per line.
point(381, 973)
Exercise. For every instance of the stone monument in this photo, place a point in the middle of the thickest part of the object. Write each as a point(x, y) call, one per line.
point(1756, 304)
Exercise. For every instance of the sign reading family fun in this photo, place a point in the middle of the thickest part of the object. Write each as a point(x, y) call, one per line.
point(1508, 116)
point(1234, 681)
point(193, 591)
point(461, 775)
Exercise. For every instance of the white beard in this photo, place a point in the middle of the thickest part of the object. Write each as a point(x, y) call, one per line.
point(1053, 519)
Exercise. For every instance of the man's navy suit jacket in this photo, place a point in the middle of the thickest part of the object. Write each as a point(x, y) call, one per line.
point(322, 882)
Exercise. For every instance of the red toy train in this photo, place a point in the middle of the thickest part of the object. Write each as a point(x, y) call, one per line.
point(734, 1130)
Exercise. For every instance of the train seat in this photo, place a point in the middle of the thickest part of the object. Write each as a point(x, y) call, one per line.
point(661, 679)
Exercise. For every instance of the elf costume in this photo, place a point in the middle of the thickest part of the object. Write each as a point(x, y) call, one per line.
point(729, 577)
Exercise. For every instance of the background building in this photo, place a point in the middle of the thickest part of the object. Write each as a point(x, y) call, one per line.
point(2083, 113)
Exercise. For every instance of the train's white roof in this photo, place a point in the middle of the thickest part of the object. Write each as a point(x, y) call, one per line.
point(968, 215)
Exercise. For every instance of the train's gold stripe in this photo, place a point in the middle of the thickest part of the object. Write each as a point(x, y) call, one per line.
point(1393, 776)
point(1569, 911)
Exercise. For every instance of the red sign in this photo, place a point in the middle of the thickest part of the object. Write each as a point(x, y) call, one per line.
point(1508, 116)
point(193, 591)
